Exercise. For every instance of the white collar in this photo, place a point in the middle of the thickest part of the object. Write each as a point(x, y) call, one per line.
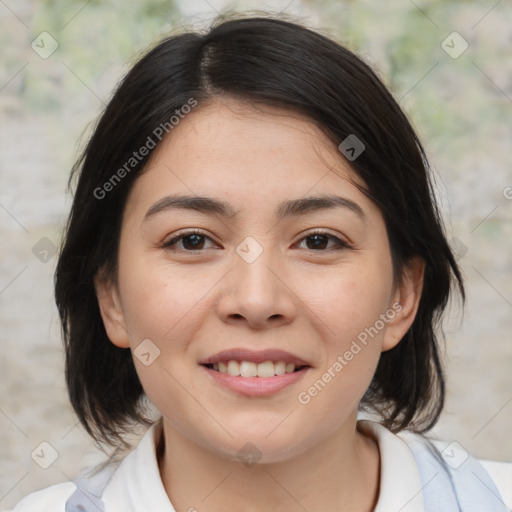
point(400, 482)
point(136, 485)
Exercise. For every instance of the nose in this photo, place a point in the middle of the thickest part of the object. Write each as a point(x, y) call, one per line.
point(257, 293)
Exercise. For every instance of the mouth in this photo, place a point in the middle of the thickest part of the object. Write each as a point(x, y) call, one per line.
point(263, 370)
point(255, 373)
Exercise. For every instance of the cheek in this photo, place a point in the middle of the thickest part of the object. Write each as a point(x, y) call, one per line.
point(155, 297)
point(348, 301)
point(158, 305)
point(349, 306)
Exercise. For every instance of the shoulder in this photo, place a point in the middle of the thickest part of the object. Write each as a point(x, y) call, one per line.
point(50, 498)
point(470, 475)
point(450, 478)
point(111, 486)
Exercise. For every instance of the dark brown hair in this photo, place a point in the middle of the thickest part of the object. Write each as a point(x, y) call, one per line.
point(278, 63)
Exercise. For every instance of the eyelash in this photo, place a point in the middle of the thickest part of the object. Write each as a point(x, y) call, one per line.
point(341, 245)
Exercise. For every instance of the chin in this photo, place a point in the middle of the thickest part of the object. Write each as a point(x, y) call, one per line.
point(261, 446)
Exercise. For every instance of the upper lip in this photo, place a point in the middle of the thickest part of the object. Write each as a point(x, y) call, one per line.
point(255, 356)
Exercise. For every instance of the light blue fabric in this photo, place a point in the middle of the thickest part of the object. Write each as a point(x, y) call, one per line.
point(87, 497)
point(451, 485)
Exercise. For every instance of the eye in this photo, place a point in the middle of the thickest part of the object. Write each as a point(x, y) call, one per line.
point(194, 241)
point(319, 240)
point(190, 241)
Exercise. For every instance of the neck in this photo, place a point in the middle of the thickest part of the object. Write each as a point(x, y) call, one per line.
point(341, 472)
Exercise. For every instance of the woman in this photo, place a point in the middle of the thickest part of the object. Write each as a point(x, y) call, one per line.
point(254, 247)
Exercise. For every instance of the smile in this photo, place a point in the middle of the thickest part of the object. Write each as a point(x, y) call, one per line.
point(254, 373)
point(246, 369)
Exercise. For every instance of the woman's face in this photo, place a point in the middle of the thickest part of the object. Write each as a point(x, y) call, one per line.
point(271, 277)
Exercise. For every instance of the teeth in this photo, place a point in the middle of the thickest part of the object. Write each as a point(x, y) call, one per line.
point(280, 368)
point(233, 368)
point(266, 369)
point(250, 369)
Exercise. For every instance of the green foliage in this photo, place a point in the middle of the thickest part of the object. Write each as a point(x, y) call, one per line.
point(400, 39)
point(93, 39)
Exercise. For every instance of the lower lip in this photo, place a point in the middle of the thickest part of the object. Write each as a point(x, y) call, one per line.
point(256, 386)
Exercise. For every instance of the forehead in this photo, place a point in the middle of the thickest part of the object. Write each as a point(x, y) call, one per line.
point(253, 155)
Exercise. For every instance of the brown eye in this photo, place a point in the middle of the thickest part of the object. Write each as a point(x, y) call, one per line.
point(190, 241)
point(319, 241)
point(193, 241)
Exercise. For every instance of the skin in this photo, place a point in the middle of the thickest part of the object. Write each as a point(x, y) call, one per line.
point(308, 301)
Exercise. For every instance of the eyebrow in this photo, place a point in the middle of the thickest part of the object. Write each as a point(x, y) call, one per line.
point(290, 208)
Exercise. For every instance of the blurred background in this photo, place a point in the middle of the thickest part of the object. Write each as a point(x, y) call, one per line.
point(449, 65)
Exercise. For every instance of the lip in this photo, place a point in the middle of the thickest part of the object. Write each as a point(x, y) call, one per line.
point(256, 386)
point(255, 356)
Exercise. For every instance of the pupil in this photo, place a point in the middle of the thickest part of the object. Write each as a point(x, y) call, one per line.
point(318, 238)
point(195, 243)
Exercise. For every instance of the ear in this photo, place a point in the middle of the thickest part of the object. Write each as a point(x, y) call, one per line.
point(111, 310)
point(405, 302)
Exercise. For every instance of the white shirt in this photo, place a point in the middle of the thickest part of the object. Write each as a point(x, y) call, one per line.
point(136, 485)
